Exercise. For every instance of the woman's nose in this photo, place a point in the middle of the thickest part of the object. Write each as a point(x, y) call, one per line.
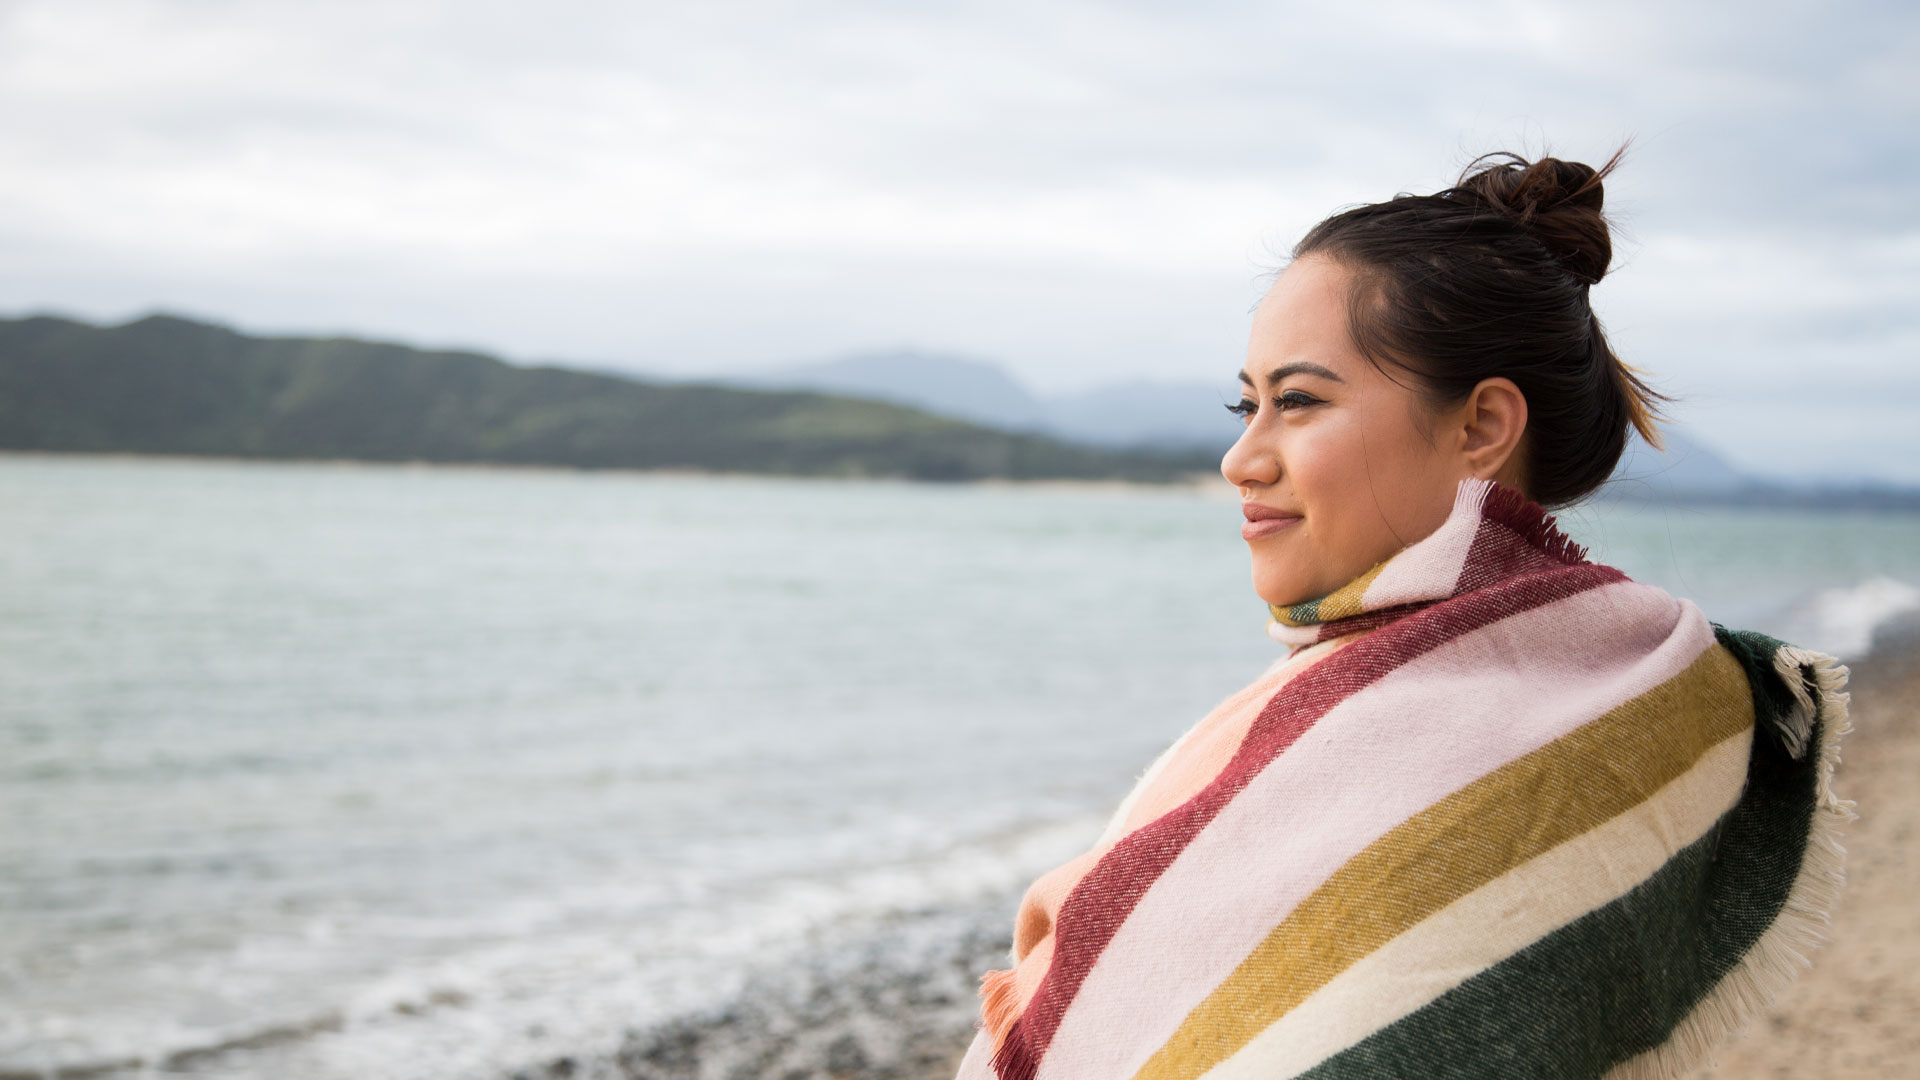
point(1250, 461)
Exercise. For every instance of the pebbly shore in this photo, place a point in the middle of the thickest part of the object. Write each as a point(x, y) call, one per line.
point(896, 1001)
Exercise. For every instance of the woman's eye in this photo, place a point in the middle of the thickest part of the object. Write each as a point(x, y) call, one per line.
point(1295, 399)
point(1244, 409)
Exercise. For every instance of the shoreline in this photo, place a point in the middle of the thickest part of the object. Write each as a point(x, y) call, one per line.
point(1202, 483)
point(1209, 484)
point(892, 997)
point(892, 1000)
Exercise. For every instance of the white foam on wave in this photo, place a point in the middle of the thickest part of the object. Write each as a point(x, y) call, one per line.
point(1844, 621)
point(531, 996)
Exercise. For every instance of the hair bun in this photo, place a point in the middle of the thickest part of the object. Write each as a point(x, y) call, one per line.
point(1559, 202)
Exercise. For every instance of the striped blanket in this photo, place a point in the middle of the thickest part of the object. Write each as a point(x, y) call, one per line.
point(1505, 813)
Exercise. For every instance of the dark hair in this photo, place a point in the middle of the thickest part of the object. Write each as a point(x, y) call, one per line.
point(1489, 278)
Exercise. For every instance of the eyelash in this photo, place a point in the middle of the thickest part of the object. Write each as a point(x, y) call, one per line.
point(1245, 408)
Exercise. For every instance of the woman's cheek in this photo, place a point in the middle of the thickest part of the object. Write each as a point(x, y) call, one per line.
point(1329, 472)
point(1349, 482)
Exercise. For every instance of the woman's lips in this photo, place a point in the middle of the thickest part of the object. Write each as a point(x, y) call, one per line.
point(1264, 521)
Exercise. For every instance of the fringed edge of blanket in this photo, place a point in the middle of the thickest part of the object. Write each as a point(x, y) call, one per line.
point(1818, 683)
point(999, 1004)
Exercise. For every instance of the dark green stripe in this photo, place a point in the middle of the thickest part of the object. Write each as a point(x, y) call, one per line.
point(1614, 983)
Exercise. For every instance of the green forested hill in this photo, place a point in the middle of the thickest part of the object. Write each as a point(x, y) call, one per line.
point(164, 385)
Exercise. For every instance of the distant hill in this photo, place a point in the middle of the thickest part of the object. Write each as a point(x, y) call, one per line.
point(1687, 472)
point(1179, 415)
point(943, 385)
point(173, 386)
point(1684, 469)
point(1163, 413)
point(1186, 417)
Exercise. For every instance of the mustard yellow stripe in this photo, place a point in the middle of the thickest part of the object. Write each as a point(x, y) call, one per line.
point(1346, 600)
point(1511, 815)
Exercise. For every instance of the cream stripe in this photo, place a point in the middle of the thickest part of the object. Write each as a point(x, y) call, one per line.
point(1497, 920)
point(1440, 722)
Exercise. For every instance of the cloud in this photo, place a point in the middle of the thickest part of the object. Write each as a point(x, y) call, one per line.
point(1080, 191)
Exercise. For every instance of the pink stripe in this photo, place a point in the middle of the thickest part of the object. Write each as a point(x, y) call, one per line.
point(1296, 823)
point(1428, 569)
point(1102, 900)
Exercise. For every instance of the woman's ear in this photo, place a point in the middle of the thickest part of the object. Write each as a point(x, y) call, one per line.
point(1494, 419)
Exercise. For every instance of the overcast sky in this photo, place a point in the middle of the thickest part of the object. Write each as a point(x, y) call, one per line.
point(1082, 193)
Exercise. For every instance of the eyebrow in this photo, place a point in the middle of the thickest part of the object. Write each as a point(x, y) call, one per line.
point(1285, 370)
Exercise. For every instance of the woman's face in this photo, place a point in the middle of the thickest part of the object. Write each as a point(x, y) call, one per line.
point(1339, 466)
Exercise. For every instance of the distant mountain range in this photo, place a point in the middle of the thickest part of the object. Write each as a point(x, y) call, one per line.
point(1164, 414)
point(1189, 417)
point(174, 386)
point(165, 385)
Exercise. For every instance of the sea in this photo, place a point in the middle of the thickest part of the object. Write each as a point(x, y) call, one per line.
point(333, 770)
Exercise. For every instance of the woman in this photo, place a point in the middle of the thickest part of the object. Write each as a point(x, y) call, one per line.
point(1503, 812)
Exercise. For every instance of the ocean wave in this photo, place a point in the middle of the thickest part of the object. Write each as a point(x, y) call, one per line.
point(740, 971)
point(1846, 620)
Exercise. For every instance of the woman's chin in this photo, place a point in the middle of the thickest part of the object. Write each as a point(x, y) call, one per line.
point(1282, 593)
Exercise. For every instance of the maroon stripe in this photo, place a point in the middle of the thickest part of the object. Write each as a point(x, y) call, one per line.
point(1498, 554)
point(1516, 536)
point(1108, 893)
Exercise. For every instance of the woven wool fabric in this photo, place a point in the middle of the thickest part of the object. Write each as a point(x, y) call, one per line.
point(1505, 813)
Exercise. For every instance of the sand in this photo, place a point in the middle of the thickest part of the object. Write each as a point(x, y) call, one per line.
point(1856, 1014)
